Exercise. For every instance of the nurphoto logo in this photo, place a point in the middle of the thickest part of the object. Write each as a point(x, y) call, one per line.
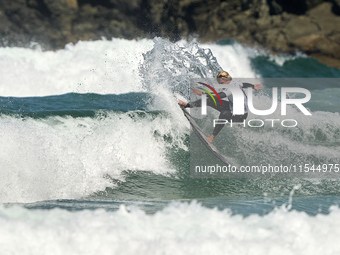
point(239, 98)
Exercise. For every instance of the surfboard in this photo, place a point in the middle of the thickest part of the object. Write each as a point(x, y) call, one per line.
point(199, 133)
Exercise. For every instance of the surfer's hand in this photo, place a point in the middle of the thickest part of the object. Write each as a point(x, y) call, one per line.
point(197, 92)
point(180, 102)
point(258, 86)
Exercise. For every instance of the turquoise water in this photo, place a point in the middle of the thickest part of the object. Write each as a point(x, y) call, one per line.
point(88, 112)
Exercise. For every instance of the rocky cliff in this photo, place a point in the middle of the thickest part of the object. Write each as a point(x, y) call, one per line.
point(283, 26)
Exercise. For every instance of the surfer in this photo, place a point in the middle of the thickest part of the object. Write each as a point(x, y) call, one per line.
point(226, 109)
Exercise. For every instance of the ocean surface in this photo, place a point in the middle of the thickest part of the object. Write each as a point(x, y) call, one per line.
point(95, 154)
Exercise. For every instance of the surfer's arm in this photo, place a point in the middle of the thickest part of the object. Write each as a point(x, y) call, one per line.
point(253, 86)
point(247, 85)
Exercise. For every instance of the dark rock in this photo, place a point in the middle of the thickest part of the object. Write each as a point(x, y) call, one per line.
point(299, 26)
point(61, 7)
point(279, 25)
point(275, 8)
point(326, 20)
point(127, 6)
point(319, 44)
point(325, 41)
point(295, 6)
point(336, 7)
point(278, 41)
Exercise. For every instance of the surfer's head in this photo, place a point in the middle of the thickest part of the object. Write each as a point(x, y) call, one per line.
point(223, 77)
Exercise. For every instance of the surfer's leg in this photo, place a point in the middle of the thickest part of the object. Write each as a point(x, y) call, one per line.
point(224, 110)
point(210, 139)
point(227, 115)
point(239, 118)
point(196, 103)
point(224, 115)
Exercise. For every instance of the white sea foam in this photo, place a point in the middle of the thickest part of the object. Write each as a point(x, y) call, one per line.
point(235, 59)
point(180, 228)
point(104, 67)
point(64, 157)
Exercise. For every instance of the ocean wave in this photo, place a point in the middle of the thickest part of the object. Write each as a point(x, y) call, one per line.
point(65, 157)
point(102, 67)
point(179, 228)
